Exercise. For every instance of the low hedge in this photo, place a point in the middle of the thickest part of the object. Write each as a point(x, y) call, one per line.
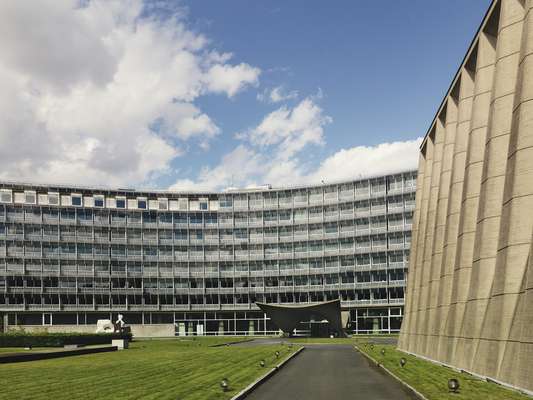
point(58, 339)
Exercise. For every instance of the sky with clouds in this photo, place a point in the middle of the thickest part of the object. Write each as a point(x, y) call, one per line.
point(207, 94)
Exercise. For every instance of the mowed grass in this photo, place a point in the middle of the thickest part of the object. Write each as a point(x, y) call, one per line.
point(431, 379)
point(157, 369)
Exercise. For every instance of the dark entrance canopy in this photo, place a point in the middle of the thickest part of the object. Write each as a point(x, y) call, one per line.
point(287, 318)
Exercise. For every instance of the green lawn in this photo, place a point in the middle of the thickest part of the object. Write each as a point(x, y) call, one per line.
point(431, 379)
point(155, 369)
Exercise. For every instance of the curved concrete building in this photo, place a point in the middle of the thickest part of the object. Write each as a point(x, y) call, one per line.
point(469, 297)
point(196, 263)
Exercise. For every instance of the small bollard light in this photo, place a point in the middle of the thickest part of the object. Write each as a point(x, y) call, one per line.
point(277, 354)
point(453, 385)
point(402, 362)
point(224, 384)
point(382, 352)
point(262, 363)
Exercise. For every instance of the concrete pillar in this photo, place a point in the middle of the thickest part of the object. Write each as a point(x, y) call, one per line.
point(466, 94)
point(424, 181)
point(491, 195)
point(516, 227)
point(440, 275)
point(433, 238)
point(413, 278)
point(485, 60)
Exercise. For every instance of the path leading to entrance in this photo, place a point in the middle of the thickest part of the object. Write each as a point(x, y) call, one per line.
point(330, 372)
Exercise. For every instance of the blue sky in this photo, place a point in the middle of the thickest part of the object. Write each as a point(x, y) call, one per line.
point(184, 100)
point(383, 67)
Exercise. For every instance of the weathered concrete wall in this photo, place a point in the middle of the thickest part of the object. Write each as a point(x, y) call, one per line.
point(469, 296)
point(159, 330)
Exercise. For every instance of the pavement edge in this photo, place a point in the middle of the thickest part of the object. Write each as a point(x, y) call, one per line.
point(378, 364)
point(231, 343)
point(247, 390)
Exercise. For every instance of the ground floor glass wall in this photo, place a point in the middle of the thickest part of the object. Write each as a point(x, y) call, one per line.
point(371, 320)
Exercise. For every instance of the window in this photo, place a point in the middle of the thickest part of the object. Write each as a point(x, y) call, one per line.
point(395, 182)
point(30, 197)
point(53, 199)
point(121, 202)
point(163, 204)
point(76, 200)
point(203, 205)
point(99, 201)
point(226, 202)
point(141, 203)
point(6, 196)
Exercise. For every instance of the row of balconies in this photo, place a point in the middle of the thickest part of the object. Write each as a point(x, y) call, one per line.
point(208, 256)
point(221, 222)
point(223, 275)
point(199, 291)
point(206, 240)
point(164, 271)
point(279, 198)
point(178, 307)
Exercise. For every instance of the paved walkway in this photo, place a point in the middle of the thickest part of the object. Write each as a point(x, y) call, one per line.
point(330, 372)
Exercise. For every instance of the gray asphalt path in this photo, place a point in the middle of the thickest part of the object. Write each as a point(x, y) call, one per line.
point(330, 372)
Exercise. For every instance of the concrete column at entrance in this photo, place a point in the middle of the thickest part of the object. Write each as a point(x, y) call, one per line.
point(251, 328)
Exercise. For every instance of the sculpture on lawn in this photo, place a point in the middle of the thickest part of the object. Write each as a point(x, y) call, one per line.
point(107, 326)
point(119, 324)
point(104, 326)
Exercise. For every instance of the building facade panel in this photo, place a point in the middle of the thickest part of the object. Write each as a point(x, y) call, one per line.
point(483, 320)
point(72, 255)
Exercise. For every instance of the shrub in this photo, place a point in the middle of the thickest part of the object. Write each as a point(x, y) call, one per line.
point(44, 339)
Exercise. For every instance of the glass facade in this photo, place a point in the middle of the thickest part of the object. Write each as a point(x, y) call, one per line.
point(71, 256)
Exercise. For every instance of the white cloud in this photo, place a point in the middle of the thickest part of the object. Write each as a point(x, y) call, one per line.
point(230, 79)
point(274, 152)
point(98, 92)
point(291, 129)
point(367, 161)
point(276, 95)
point(245, 167)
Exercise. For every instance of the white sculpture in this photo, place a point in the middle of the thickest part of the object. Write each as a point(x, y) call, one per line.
point(120, 321)
point(107, 326)
point(104, 326)
point(119, 325)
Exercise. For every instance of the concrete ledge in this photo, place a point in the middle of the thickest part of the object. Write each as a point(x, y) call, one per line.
point(407, 386)
point(247, 390)
point(45, 355)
